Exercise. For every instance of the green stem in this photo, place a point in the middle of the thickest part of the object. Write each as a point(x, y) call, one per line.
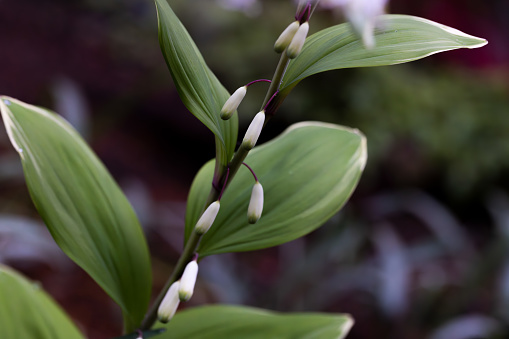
point(276, 79)
point(194, 239)
point(186, 256)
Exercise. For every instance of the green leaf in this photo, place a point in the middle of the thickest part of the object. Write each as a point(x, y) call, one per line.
point(307, 173)
point(401, 39)
point(198, 87)
point(235, 322)
point(26, 311)
point(82, 206)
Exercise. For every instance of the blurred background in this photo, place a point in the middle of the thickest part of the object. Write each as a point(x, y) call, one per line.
point(420, 251)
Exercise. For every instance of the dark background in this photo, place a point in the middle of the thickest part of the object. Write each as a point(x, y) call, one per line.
point(421, 250)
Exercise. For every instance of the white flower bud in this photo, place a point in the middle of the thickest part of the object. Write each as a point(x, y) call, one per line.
point(254, 211)
point(207, 218)
point(170, 303)
point(231, 105)
point(298, 41)
point(286, 37)
point(188, 280)
point(253, 131)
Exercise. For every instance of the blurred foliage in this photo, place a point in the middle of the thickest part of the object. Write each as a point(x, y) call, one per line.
point(440, 120)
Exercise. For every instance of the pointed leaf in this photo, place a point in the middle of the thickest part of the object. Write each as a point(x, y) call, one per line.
point(401, 39)
point(220, 321)
point(82, 206)
point(198, 87)
point(26, 311)
point(307, 174)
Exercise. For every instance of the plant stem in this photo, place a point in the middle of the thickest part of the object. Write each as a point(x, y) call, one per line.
point(276, 79)
point(185, 257)
point(194, 239)
point(251, 170)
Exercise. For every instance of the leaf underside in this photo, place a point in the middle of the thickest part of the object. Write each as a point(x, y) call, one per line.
point(26, 311)
point(84, 209)
point(198, 87)
point(307, 173)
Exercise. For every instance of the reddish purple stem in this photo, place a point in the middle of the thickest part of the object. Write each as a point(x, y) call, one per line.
point(252, 172)
point(224, 184)
point(272, 97)
point(304, 15)
point(259, 80)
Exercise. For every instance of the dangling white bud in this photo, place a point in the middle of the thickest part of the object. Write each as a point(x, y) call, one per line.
point(207, 218)
point(188, 280)
point(254, 211)
point(298, 41)
point(253, 131)
point(231, 105)
point(170, 303)
point(286, 37)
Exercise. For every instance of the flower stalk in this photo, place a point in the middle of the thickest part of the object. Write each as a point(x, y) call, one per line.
point(214, 194)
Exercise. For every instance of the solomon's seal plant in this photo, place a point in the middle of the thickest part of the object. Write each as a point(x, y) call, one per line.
point(94, 224)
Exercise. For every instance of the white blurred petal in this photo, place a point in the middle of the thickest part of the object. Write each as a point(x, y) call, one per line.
point(467, 327)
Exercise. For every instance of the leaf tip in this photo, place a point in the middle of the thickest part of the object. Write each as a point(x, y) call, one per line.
point(5, 101)
point(472, 42)
point(363, 159)
point(482, 42)
point(346, 326)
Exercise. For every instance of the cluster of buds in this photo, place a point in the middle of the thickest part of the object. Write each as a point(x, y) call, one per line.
point(292, 39)
point(254, 211)
point(255, 128)
point(181, 290)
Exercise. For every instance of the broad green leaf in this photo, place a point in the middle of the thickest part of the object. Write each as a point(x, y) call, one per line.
point(82, 206)
point(198, 87)
point(307, 173)
point(401, 38)
point(26, 311)
point(236, 322)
